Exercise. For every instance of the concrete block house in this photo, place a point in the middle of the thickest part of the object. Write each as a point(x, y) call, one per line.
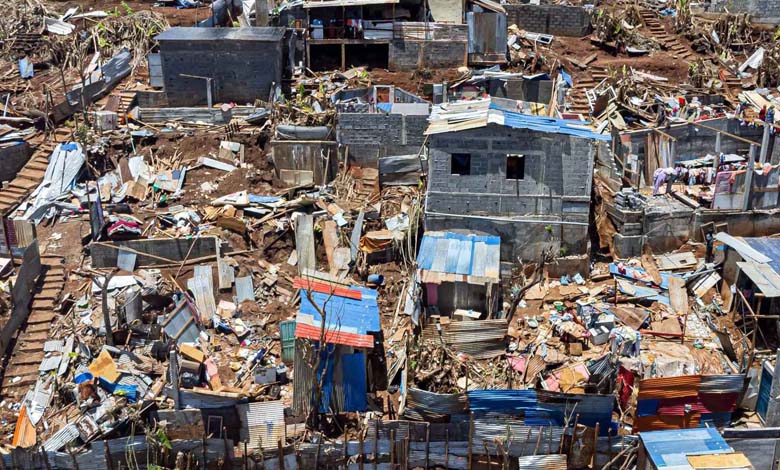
point(522, 177)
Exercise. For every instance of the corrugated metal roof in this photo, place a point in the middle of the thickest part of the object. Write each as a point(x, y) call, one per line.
point(668, 450)
point(262, 424)
point(61, 438)
point(769, 247)
point(349, 320)
point(471, 255)
point(443, 119)
point(545, 408)
point(542, 462)
point(428, 406)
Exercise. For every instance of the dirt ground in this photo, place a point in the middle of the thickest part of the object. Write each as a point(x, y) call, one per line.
point(176, 17)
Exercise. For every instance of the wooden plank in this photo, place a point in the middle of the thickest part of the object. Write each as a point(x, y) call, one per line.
point(648, 262)
point(674, 261)
point(705, 284)
point(226, 274)
point(633, 317)
point(202, 287)
point(330, 238)
point(678, 295)
point(304, 242)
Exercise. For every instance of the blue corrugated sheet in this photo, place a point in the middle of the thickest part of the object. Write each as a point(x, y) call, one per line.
point(647, 407)
point(459, 255)
point(353, 367)
point(343, 314)
point(548, 124)
point(326, 364)
point(764, 390)
point(545, 408)
point(670, 448)
point(769, 247)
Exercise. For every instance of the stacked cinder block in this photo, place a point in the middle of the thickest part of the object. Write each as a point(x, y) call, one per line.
point(558, 20)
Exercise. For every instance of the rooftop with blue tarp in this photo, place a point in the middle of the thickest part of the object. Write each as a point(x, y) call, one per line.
point(452, 257)
point(463, 115)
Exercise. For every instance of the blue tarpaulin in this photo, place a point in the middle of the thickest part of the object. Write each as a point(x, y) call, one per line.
point(353, 369)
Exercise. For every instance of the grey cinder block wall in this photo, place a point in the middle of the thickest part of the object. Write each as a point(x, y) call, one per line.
point(552, 201)
point(762, 11)
point(243, 63)
point(559, 20)
point(370, 136)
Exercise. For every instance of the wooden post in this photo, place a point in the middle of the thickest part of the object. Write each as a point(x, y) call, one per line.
point(246, 457)
point(44, 455)
point(749, 179)
point(539, 439)
point(376, 442)
point(487, 453)
point(764, 154)
point(471, 438)
point(281, 454)
point(203, 450)
point(317, 455)
point(595, 446)
point(447, 448)
point(344, 451)
point(427, 444)
point(573, 438)
point(406, 452)
point(360, 443)
point(392, 449)
point(107, 453)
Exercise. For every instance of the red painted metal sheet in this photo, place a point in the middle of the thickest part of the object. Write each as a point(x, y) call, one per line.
point(335, 337)
point(326, 288)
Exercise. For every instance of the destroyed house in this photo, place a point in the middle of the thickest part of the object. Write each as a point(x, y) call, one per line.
point(676, 184)
point(205, 65)
point(378, 33)
point(460, 274)
point(751, 270)
point(346, 364)
point(523, 177)
point(380, 121)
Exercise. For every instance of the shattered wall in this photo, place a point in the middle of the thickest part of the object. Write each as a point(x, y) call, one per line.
point(304, 161)
point(371, 136)
point(696, 141)
point(243, 63)
point(12, 159)
point(558, 20)
point(548, 208)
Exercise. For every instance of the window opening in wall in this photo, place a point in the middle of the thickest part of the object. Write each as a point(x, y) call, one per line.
point(461, 164)
point(515, 167)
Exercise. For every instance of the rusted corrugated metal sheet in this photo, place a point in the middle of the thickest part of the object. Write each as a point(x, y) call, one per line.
point(262, 424)
point(542, 462)
point(481, 339)
point(669, 387)
point(428, 406)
